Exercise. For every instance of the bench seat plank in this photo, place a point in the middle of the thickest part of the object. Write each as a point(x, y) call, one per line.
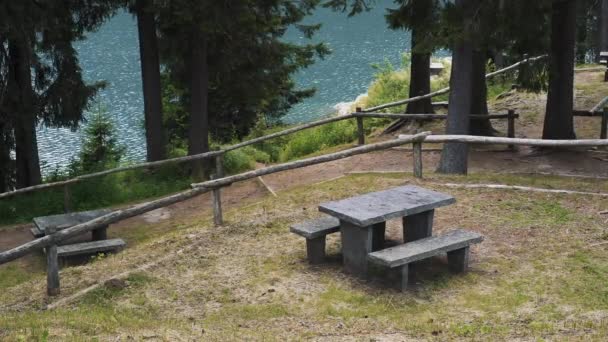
point(424, 248)
point(90, 247)
point(316, 228)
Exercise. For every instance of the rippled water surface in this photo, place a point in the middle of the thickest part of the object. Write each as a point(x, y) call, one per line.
point(112, 54)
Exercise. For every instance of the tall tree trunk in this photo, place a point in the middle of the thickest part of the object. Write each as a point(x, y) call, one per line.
point(198, 135)
point(479, 92)
point(582, 47)
point(454, 157)
point(6, 169)
point(420, 78)
point(560, 98)
point(604, 26)
point(22, 98)
point(150, 73)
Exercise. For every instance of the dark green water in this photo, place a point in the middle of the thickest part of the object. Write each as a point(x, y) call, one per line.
point(112, 54)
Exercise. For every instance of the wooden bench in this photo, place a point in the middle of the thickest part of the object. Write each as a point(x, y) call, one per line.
point(456, 243)
point(92, 247)
point(315, 232)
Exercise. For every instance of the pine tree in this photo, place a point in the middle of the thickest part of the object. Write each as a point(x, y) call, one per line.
point(42, 79)
point(100, 148)
point(146, 13)
point(603, 35)
point(231, 64)
point(559, 123)
point(421, 17)
point(454, 157)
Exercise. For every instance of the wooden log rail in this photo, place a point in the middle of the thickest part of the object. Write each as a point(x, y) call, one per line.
point(213, 154)
point(197, 189)
point(600, 109)
point(447, 90)
point(210, 185)
point(510, 116)
point(430, 116)
point(50, 241)
point(206, 155)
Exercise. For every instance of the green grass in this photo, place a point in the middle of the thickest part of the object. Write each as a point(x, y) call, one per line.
point(15, 274)
point(107, 191)
point(534, 277)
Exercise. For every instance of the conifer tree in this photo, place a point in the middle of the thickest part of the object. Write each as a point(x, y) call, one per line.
point(231, 63)
point(146, 14)
point(41, 76)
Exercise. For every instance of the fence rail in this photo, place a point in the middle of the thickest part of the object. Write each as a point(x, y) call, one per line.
point(215, 186)
point(447, 90)
point(218, 154)
point(200, 188)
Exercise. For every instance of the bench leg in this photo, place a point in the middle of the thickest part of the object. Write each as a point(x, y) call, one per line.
point(315, 250)
point(378, 236)
point(458, 260)
point(403, 276)
point(418, 226)
point(100, 234)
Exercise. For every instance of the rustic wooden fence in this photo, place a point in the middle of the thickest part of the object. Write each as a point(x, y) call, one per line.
point(600, 110)
point(215, 185)
point(218, 155)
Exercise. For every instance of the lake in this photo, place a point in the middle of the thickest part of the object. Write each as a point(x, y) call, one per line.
point(112, 54)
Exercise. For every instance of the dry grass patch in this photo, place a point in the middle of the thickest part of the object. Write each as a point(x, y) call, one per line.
point(537, 275)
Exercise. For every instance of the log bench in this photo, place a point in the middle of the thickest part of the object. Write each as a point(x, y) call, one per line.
point(456, 243)
point(315, 232)
point(93, 247)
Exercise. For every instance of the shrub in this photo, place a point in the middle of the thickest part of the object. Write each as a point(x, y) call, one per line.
point(318, 138)
point(100, 149)
point(237, 161)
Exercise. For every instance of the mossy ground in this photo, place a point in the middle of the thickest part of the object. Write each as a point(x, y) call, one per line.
point(540, 274)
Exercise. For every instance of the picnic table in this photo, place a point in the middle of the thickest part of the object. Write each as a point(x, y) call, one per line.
point(48, 225)
point(44, 225)
point(363, 220)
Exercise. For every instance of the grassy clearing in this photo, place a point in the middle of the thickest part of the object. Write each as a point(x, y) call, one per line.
point(536, 276)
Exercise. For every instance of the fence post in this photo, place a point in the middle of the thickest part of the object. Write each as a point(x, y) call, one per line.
point(511, 126)
point(52, 267)
point(218, 218)
point(603, 134)
point(417, 147)
point(67, 199)
point(360, 130)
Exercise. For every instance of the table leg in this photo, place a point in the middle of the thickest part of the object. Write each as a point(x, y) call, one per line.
point(418, 226)
point(356, 245)
point(100, 234)
point(379, 231)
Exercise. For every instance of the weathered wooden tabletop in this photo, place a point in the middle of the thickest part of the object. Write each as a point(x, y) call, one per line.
point(64, 221)
point(366, 210)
